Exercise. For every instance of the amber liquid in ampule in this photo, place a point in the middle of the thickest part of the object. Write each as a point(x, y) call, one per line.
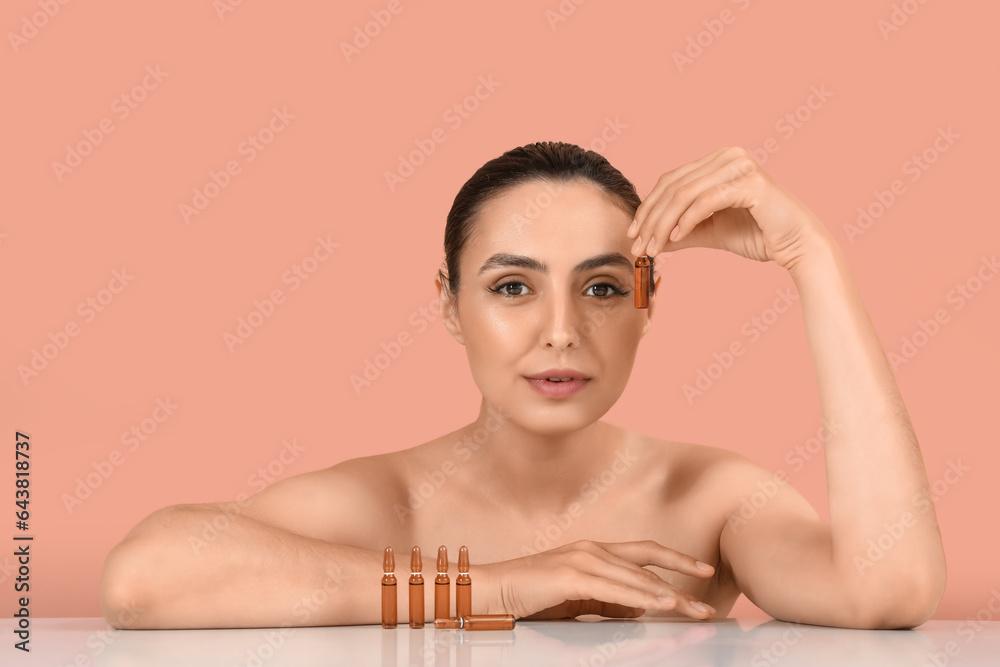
point(642, 281)
point(463, 585)
point(489, 622)
point(478, 622)
point(416, 590)
point(442, 586)
point(388, 589)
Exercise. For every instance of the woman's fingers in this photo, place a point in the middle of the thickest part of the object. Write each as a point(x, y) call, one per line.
point(610, 579)
point(681, 174)
point(683, 207)
point(638, 554)
point(617, 569)
point(648, 552)
point(608, 590)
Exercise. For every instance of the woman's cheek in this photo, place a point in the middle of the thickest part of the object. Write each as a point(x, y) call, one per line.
point(500, 324)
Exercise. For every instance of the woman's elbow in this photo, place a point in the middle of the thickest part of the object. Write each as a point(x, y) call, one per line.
point(119, 589)
point(909, 606)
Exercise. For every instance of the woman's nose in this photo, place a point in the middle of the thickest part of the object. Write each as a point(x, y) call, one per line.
point(562, 320)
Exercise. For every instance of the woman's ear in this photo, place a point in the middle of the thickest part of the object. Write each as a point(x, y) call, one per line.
point(652, 305)
point(447, 306)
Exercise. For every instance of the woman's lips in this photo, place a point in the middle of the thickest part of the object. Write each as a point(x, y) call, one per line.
point(557, 389)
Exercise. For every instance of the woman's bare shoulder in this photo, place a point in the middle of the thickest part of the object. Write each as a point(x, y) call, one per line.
point(340, 502)
point(717, 469)
point(684, 453)
point(696, 454)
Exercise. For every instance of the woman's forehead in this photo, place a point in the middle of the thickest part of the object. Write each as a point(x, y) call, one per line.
point(544, 213)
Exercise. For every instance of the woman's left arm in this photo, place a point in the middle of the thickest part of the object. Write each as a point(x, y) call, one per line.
point(880, 561)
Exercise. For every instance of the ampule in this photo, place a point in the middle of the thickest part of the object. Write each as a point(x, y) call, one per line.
point(463, 585)
point(642, 281)
point(388, 589)
point(416, 590)
point(442, 586)
point(479, 622)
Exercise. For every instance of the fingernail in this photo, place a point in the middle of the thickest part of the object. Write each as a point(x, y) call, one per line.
point(651, 246)
point(637, 245)
point(674, 234)
point(704, 566)
point(703, 608)
point(631, 229)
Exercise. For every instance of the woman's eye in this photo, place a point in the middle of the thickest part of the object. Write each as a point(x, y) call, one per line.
point(510, 288)
point(605, 290)
point(515, 288)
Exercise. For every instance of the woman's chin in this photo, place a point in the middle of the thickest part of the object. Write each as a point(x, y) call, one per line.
point(559, 421)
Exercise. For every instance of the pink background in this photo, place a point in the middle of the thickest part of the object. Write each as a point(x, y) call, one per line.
point(63, 237)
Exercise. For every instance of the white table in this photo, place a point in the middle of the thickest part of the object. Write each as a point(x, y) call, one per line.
point(83, 642)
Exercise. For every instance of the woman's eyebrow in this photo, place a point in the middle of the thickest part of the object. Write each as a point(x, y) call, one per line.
point(504, 260)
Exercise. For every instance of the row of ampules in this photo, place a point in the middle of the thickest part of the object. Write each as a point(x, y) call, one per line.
point(442, 595)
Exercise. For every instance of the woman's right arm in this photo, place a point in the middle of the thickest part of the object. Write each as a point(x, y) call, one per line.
point(275, 559)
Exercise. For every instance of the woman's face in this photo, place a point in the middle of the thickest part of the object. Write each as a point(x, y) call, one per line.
point(546, 282)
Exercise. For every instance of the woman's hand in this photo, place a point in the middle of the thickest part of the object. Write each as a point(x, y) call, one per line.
point(584, 577)
point(725, 200)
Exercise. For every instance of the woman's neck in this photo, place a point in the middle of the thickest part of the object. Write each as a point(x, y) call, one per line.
point(536, 472)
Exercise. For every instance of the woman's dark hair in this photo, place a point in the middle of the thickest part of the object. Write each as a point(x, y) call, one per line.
point(544, 160)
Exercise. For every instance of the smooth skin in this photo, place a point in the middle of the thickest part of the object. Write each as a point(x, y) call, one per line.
point(565, 514)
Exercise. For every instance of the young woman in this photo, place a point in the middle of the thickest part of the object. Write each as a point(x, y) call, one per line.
point(565, 514)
